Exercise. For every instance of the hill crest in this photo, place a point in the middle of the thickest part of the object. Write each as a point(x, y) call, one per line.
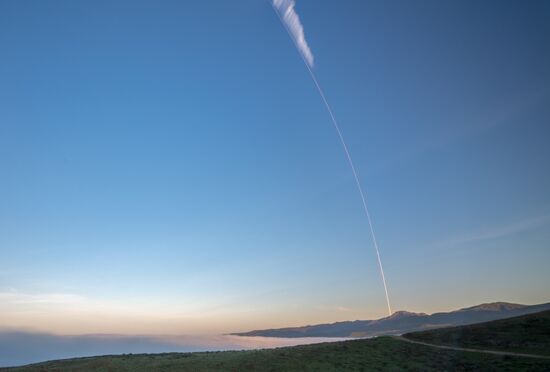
point(403, 321)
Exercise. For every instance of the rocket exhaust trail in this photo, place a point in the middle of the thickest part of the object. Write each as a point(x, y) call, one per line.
point(348, 156)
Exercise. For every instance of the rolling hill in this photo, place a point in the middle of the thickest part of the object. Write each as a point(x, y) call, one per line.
point(525, 334)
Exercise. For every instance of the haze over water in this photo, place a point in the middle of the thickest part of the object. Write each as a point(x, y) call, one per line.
point(19, 348)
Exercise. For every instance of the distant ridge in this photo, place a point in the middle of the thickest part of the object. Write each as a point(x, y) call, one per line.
point(496, 306)
point(403, 321)
point(402, 314)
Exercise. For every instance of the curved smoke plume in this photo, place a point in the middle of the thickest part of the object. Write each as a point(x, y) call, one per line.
point(291, 21)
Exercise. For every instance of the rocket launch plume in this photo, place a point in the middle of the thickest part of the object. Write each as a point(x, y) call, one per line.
point(289, 17)
point(291, 22)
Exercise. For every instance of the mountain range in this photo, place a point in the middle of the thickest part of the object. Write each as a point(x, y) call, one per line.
point(403, 321)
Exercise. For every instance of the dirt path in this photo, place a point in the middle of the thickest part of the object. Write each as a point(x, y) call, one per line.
point(493, 352)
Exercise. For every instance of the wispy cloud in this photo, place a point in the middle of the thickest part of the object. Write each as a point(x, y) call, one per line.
point(509, 110)
point(497, 231)
point(73, 313)
point(338, 309)
point(291, 20)
point(344, 309)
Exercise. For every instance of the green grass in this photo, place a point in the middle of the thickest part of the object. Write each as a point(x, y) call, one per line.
point(382, 353)
point(524, 334)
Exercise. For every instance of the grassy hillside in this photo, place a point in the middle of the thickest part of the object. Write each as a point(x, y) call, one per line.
point(382, 353)
point(523, 334)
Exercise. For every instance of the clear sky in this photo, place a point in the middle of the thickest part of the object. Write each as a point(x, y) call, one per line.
point(168, 166)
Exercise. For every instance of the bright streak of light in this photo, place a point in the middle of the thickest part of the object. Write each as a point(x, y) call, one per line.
point(350, 161)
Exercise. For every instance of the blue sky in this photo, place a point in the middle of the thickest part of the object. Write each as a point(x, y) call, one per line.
point(170, 166)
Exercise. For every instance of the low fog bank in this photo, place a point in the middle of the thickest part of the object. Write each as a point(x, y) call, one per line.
point(19, 348)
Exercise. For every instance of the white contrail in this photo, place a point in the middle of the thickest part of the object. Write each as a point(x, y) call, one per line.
point(291, 22)
point(285, 10)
